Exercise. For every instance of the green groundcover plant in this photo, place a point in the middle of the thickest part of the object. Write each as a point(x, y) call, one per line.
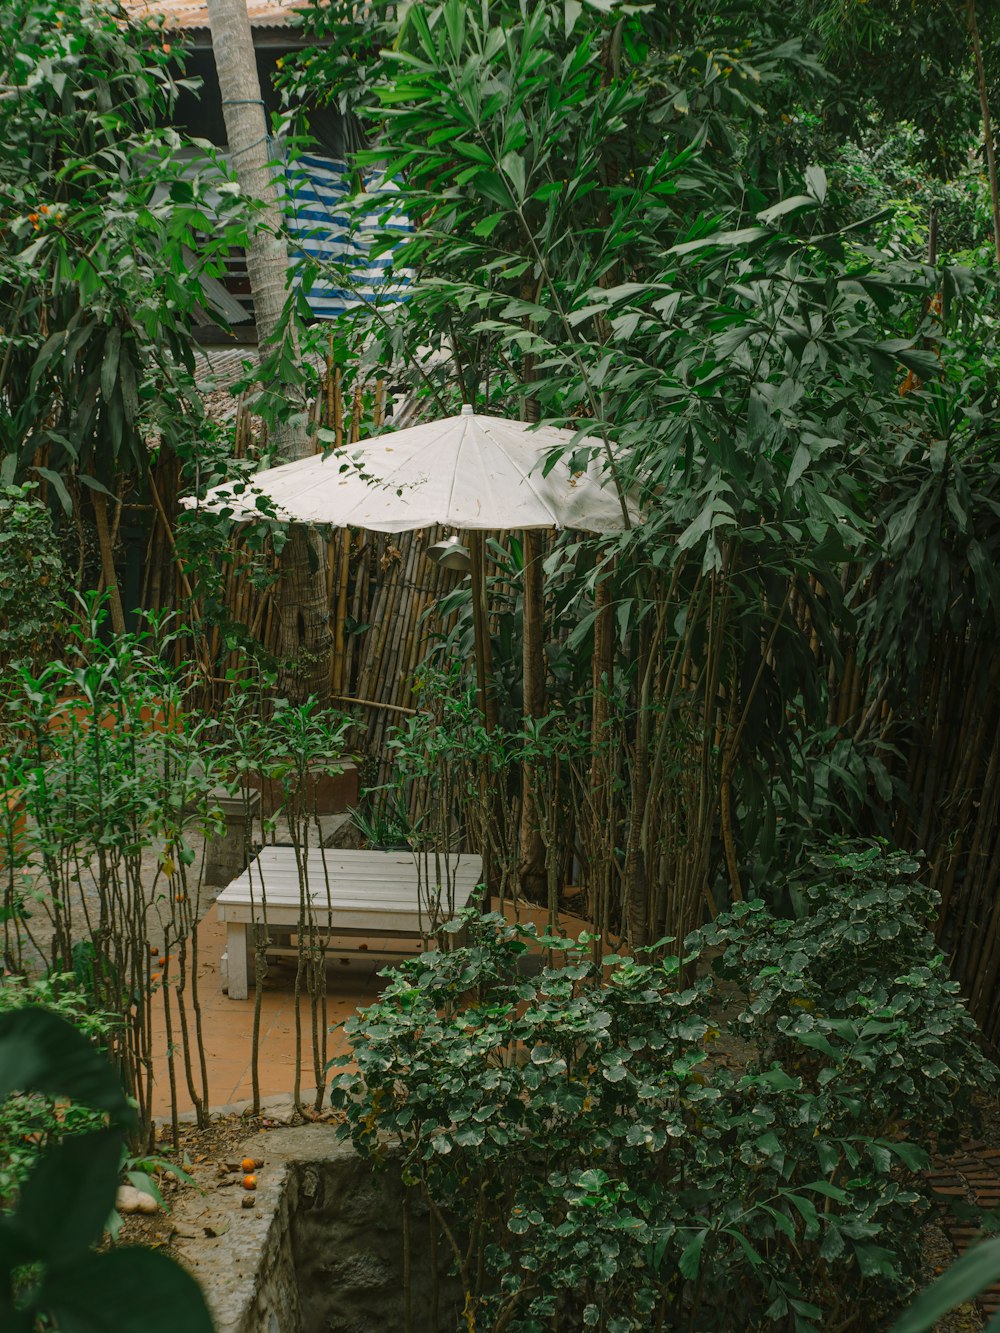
point(726, 1138)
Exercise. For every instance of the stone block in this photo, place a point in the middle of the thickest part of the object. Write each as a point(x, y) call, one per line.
point(225, 853)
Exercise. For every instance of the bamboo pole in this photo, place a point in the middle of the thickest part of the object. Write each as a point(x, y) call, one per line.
point(987, 119)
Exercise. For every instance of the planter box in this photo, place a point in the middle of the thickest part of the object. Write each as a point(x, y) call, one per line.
point(156, 718)
point(225, 853)
point(326, 793)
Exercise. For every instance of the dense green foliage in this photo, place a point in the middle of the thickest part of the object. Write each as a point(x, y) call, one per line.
point(753, 273)
point(906, 64)
point(118, 781)
point(688, 1154)
point(624, 228)
point(98, 276)
point(820, 980)
point(32, 577)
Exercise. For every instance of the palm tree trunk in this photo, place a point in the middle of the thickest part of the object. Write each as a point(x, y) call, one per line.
point(249, 147)
point(304, 624)
point(304, 639)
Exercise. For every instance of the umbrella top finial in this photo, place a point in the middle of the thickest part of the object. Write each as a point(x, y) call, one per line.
point(468, 410)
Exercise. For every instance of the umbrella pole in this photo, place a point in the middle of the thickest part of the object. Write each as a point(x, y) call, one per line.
point(481, 631)
point(487, 706)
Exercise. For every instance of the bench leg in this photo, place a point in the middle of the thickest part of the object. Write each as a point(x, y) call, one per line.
point(237, 948)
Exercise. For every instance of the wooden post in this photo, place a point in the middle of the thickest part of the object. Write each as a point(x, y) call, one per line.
point(481, 630)
point(487, 704)
point(531, 859)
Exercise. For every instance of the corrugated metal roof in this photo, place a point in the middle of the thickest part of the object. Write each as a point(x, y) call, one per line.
point(178, 14)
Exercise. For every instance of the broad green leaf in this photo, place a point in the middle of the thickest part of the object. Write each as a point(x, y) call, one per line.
point(816, 180)
point(723, 240)
point(41, 1052)
point(129, 1290)
point(977, 1269)
point(58, 485)
point(798, 203)
point(109, 365)
point(68, 1197)
point(690, 1260)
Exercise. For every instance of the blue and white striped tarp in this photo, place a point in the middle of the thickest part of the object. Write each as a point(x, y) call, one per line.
point(327, 230)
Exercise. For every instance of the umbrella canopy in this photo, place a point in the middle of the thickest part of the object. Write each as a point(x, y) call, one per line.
point(468, 471)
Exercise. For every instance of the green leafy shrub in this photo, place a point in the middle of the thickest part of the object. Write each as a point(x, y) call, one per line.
point(31, 1121)
point(855, 992)
point(111, 764)
point(590, 1156)
point(32, 576)
point(382, 819)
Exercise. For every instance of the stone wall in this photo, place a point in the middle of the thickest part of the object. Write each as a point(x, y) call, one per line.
point(322, 1252)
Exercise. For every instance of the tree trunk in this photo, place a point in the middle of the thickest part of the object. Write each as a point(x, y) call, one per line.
point(304, 612)
point(249, 147)
point(304, 617)
point(602, 818)
point(984, 107)
point(636, 870)
point(106, 547)
point(531, 870)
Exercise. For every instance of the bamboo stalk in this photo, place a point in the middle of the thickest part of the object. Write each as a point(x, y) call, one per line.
point(987, 120)
point(108, 572)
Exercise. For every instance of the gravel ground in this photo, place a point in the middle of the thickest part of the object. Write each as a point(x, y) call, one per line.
point(211, 1157)
point(86, 902)
point(939, 1254)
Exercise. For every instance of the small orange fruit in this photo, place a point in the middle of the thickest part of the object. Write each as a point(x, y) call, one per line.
point(249, 1182)
point(248, 1165)
point(156, 976)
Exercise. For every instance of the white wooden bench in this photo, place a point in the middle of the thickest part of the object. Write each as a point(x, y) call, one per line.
point(352, 896)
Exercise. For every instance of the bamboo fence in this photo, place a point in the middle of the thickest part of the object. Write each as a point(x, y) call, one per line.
point(383, 594)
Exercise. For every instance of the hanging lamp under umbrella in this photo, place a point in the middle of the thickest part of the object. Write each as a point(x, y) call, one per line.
point(470, 472)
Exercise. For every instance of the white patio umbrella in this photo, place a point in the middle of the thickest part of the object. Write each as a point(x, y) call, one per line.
point(470, 472)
